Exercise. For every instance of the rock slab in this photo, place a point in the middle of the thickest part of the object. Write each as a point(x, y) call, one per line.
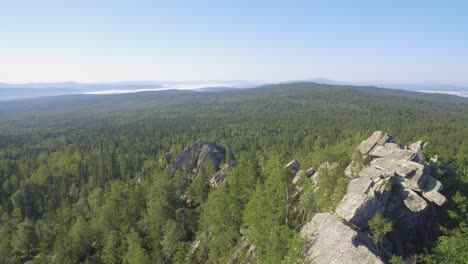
point(333, 242)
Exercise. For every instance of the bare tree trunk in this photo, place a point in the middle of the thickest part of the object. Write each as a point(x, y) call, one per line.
point(287, 203)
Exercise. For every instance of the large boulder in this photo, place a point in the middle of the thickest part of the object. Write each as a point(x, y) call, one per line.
point(377, 138)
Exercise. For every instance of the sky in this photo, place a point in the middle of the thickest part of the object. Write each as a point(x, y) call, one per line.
point(270, 41)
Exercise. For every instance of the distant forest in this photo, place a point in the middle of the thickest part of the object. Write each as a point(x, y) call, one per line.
point(84, 179)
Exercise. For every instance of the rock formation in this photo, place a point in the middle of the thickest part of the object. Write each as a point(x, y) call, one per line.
point(394, 181)
point(202, 155)
point(333, 242)
point(221, 175)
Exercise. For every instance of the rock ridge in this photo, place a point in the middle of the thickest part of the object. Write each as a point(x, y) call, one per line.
point(391, 180)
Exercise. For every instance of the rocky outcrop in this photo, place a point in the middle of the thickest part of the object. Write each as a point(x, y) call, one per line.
point(394, 181)
point(202, 155)
point(378, 138)
point(333, 242)
point(392, 173)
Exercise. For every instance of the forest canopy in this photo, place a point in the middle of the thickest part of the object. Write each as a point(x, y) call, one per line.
point(84, 178)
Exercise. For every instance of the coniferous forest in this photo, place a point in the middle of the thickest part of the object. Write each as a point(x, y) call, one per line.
point(96, 178)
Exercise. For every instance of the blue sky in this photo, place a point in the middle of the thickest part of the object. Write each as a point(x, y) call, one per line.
point(359, 41)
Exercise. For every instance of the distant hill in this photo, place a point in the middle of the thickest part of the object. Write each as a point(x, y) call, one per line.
point(215, 89)
point(419, 87)
point(166, 99)
point(19, 91)
point(31, 90)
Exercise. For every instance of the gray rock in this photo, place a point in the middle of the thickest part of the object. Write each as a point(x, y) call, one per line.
point(373, 172)
point(404, 171)
point(196, 154)
point(202, 155)
point(415, 180)
point(435, 197)
point(221, 175)
point(432, 185)
point(390, 161)
point(310, 172)
point(293, 166)
point(358, 206)
point(349, 171)
point(352, 169)
point(401, 216)
point(414, 202)
point(314, 178)
point(394, 184)
point(325, 167)
point(377, 138)
point(416, 147)
point(331, 241)
point(391, 151)
point(299, 175)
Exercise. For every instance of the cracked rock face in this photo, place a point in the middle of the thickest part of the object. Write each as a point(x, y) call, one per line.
point(396, 183)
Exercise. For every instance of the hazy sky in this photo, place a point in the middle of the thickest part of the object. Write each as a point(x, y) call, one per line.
point(89, 41)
